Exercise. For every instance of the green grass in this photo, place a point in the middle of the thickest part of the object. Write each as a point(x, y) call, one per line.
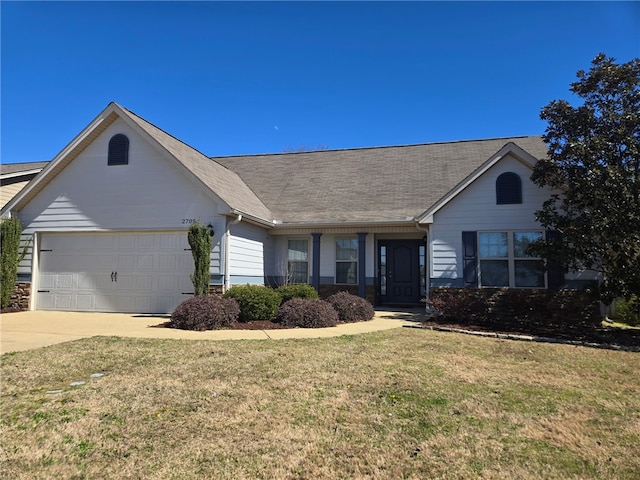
point(399, 404)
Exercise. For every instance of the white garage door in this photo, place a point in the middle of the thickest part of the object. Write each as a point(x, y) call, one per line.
point(114, 272)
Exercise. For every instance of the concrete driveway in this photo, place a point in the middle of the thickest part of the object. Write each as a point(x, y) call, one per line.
point(28, 330)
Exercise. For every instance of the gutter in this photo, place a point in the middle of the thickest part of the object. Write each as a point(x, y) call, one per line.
point(316, 225)
point(251, 218)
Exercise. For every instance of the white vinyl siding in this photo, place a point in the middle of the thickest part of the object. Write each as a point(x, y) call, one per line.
point(246, 257)
point(247, 245)
point(150, 193)
point(475, 209)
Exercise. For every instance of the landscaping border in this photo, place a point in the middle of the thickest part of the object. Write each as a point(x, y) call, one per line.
point(528, 338)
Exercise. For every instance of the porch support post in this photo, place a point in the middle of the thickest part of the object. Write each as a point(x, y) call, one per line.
point(315, 264)
point(362, 265)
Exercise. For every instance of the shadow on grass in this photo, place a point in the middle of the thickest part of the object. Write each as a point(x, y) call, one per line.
point(407, 314)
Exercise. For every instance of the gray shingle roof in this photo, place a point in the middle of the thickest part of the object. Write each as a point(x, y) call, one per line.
point(367, 184)
point(380, 184)
point(225, 183)
point(15, 168)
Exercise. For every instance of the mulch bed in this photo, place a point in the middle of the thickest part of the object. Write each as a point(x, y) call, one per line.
point(10, 310)
point(576, 333)
point(254, 325)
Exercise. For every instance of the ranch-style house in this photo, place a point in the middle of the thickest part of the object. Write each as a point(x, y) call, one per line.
point(108, 216)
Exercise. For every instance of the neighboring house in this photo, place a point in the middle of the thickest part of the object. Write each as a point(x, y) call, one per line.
point(109, 215)
point(14, 177)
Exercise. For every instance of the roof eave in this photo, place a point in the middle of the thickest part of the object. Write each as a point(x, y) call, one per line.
point(70, 151)
point(252, 218)
point(23, 173)
point(509, 149)
point(320, 225)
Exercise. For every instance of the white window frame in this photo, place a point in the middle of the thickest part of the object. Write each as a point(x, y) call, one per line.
point(290, 274)
point(511, 259)
point(355, 262)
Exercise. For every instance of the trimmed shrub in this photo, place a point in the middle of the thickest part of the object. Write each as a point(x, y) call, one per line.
point(524, 310)
point(460, 304)
point(300, 290)
point(351, 308)
point(307, 313)
point(256, 302)
point(199, 239)
point(205, 312)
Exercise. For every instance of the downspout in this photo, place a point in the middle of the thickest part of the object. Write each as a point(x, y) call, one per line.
point(227, 235)
point(427, 280)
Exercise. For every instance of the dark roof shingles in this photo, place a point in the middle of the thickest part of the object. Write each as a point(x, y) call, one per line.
point(367, 184)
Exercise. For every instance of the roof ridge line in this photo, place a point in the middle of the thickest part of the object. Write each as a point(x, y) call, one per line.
point(376, 148)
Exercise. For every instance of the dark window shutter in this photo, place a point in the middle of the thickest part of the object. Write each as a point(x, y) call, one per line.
point(118, 150)
point(555, 272)
point(470, 258)
point(508, 189)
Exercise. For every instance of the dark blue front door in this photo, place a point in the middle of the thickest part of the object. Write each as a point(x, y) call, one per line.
point(400, 268)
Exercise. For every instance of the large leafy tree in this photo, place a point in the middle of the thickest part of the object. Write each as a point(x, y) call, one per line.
point(593, 165)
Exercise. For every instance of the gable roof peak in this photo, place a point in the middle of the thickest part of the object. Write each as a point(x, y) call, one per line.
point(218, 179)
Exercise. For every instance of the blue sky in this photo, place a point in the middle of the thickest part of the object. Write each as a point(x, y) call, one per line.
point(241, 77)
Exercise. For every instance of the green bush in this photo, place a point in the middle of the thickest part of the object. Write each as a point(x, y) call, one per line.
point(351, 308)
point(464, 305)
point(526, 310)
point(300, 290)
point(628, 311)
point(200, 242)
point(10, 257)
point(307, 313)
point(204, 312)
point(256, 302)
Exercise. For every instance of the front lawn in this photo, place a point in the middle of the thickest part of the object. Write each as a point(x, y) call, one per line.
point(404, 403)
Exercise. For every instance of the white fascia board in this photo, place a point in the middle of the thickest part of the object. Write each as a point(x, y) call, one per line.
point(124, 115)
point(252, 218)
point(20, 173)
point(320, 225)
point(509, 149)
point(51, 166)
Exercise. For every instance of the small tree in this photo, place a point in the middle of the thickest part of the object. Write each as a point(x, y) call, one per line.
point(594, 166)
point(10, 257)
point(199, 238)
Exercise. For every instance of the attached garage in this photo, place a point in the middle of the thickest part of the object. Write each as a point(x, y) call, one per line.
point(132, 272)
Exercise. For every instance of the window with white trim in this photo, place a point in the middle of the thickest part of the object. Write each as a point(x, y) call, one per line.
point(298, 261)
point(505, 263)
point(347, 261)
